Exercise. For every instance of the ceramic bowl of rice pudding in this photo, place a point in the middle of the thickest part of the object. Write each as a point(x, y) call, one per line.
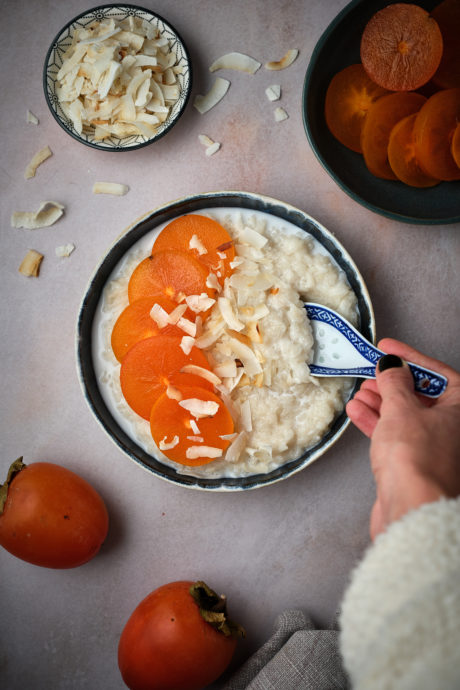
point(254, 413)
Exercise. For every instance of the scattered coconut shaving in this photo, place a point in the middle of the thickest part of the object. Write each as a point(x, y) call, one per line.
point(48, 213)
point(213, 97)
point(31, 118)
point(273, 92)
point(285, 61)
point(194, 452)
point(164, 445)
point(114, 188)
point(118, 78)
point(236, 61)
point(280, 114)
point(65, 250)
point(211, 146)
point(30, 265)
point(37, 160)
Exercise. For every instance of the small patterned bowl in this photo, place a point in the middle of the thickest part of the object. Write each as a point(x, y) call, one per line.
point(62, 42)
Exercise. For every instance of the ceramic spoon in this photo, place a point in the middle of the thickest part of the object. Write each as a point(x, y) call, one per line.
point(340, 350)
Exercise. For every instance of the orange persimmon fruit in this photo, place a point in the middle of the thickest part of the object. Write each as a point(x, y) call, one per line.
point(348, 98)
point(455, 147)
point(434, 129)
point(380, 120)
point(168, 420)
point(401, 155)
point(211, 237)
point(447, 15)
point(168, 272)
point(401, 47)
point(135, 323)
point(153, 364)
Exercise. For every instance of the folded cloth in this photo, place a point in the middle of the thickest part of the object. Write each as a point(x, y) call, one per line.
point(296, 657)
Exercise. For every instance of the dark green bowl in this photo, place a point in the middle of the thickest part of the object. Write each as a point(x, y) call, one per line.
point(337, 48)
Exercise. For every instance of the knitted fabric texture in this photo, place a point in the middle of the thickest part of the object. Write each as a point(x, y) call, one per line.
point(400, 620)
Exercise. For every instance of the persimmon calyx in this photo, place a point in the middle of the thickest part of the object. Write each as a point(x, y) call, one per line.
point(14, 469)
point(213, 609)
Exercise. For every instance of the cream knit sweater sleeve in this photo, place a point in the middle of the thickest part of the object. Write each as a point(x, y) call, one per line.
point(400, 617)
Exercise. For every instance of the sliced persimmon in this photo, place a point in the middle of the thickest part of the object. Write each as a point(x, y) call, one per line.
point(447, 14)
point(174, 425)
point(401, 47)
point(434, 129)
point(348, 98)
point(168, 272)
point(135, 323)
point(402, 158)
point(381, 118)
point(455, 148)
point(204, 237)
point(153, 364)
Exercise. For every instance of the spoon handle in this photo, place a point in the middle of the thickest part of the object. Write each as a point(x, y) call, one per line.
point(426, 381)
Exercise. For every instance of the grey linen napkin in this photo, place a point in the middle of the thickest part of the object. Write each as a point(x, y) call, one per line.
point(296, 657)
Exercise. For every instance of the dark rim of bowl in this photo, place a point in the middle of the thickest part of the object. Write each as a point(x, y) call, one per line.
point(115, 149)
point(372, 207)
point(85, 365)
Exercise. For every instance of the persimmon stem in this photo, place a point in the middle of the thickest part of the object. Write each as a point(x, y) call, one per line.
point(14, 469)
point(213, 609)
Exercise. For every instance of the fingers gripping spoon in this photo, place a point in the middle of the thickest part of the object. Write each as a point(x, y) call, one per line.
point(340, 350)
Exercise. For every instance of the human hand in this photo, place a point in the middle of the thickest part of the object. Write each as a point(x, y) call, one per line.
point(415, 441)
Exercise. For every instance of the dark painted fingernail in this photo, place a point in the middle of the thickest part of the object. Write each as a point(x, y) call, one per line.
point(389, 362)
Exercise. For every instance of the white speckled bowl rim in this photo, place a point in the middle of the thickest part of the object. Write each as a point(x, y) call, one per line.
point(85, 365)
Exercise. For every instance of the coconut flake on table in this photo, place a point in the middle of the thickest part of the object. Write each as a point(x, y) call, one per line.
point(273, 92)
point(47, 214)
point(64, 250)
point(39, 158)
point(114, 188)
point(280, 114)
point(31, 118)
point(285, 61)
point(236, 61)
point(212, 97)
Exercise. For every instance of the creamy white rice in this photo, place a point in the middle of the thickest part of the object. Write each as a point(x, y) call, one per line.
point(283, 410)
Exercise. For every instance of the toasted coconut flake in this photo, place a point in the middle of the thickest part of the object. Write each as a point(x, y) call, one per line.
point(177, 313)
point(196, 439)
point(173, 393)
point(228, 437)
point(47, 214)
point(253, 332)
point(200, 371)
point(254, 238)
point(200, 408)
point(37, 160)
point(194, 427)
point(235, 449)
point(236, 61)
point(30, 265)
point(285, 61)
point(64, 250)
point(226, 369)
point(164, 445)
point(187, 326)
point(273, 92)
point(110, 188)
point(186, 344)
point(31, 118)
point(247, 356)
point(228, 314)
point(205, 140)
point(196, 243)
point(211, 150)
point(213, 282)
point(199, 303)
point(246, 415)
point(214, 95)
point(159, 315)
point(280, 114)
point(194, 452)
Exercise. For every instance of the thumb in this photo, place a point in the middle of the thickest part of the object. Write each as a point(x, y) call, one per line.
point(394, 379)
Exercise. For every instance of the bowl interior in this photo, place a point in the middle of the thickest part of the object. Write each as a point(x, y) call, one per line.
point(337, 48)
point(91, 300)
point(61, 44)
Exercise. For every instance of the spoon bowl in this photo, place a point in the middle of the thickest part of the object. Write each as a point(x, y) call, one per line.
point(340, 350)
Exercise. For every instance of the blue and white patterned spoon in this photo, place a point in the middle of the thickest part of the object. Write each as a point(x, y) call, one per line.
point(340, 350)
